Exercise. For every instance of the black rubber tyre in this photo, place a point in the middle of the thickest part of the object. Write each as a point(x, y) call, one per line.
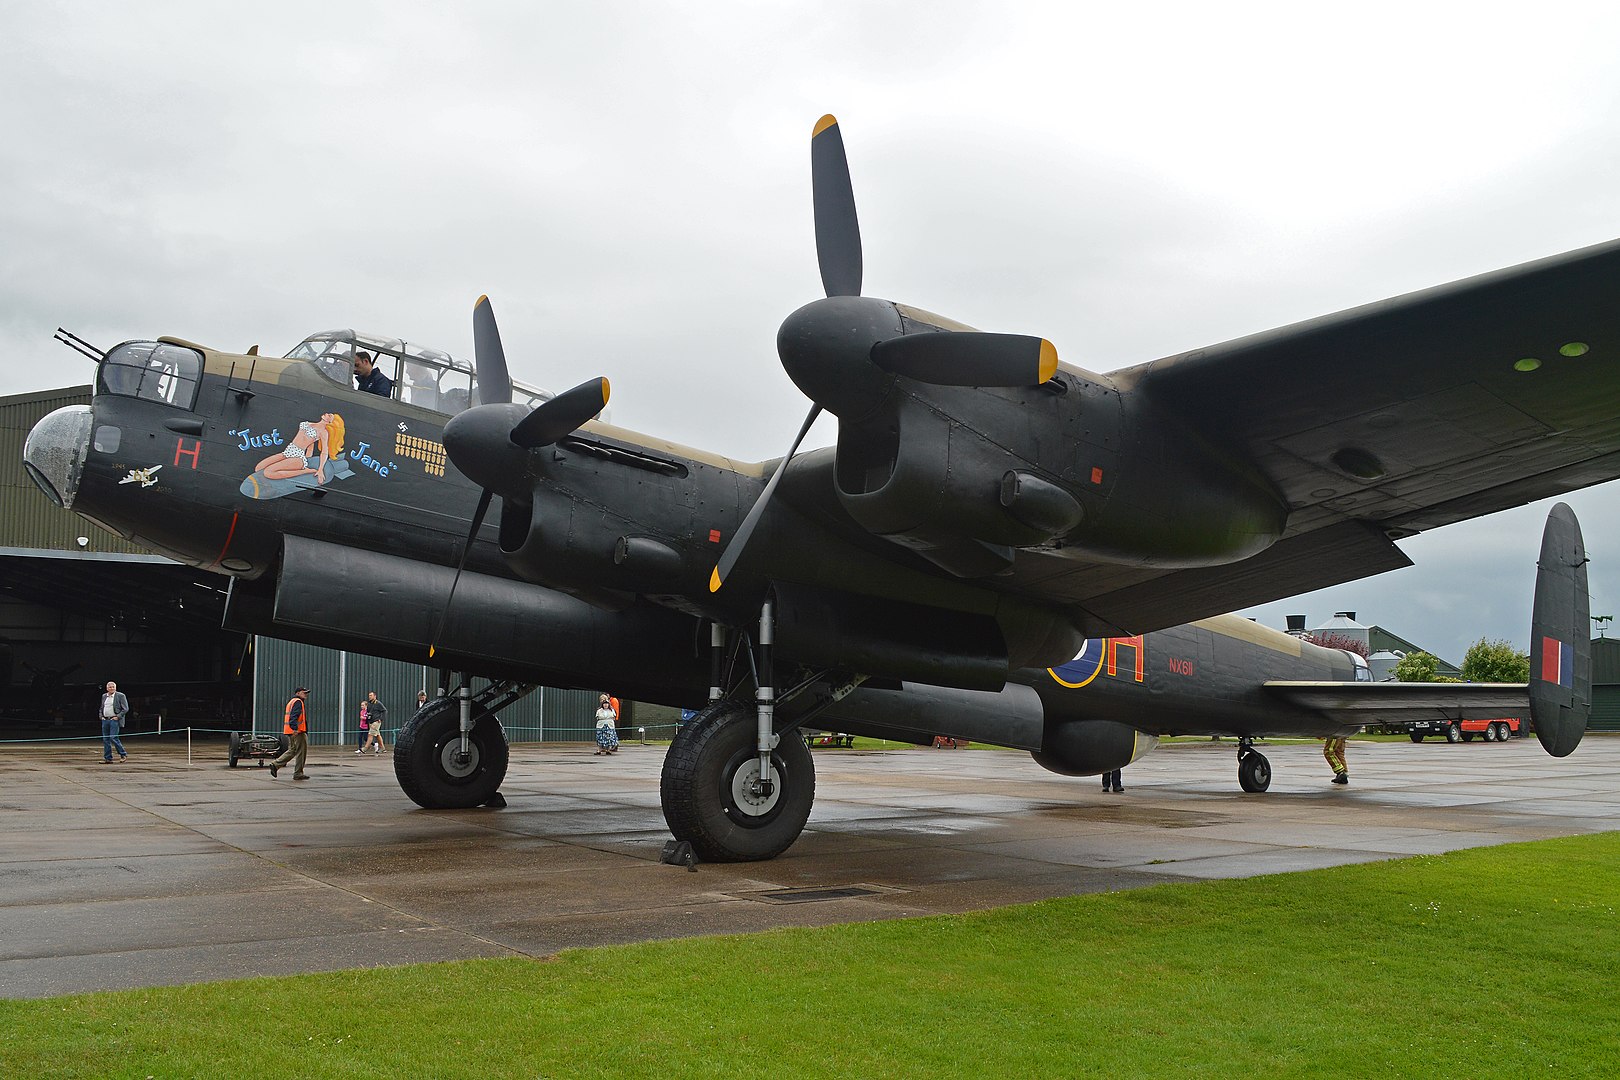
point(1415, 736)
point(1254, 772)
point(1468, 736)
point(235, 749)
point(707, 765)
point(425, 766)
point(1453, 733)
point(283, 741)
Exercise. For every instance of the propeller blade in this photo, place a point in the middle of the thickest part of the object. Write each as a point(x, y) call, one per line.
point(472, 534)
point(489, 359)
point(838, 232)
point(562, 415)
point(968, 359)
point(739, 540)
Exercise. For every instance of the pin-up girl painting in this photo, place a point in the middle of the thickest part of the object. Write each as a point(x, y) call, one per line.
point(317, 449)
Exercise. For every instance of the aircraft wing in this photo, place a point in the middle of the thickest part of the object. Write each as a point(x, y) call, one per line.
point(1363, 703)
point(1380, 422)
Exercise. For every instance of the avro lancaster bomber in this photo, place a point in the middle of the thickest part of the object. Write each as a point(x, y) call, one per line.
point(1000, 546)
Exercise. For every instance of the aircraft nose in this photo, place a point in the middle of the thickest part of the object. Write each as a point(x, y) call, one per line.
point(55, 450)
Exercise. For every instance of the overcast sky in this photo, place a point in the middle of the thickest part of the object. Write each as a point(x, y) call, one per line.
point(630, 185)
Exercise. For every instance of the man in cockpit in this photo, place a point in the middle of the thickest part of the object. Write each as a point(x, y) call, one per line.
point(369, 377)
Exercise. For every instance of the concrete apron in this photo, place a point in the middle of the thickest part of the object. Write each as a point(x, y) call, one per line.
point(153, 873)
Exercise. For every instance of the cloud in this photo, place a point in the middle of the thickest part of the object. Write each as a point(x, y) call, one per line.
point(629, 183)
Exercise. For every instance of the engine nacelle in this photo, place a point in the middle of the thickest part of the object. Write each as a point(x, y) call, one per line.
point(820, 628)
point(496, 627)
point(965, 476)
point(1091, 747)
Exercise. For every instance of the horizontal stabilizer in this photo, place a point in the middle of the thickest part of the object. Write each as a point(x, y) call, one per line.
point(1362, 703)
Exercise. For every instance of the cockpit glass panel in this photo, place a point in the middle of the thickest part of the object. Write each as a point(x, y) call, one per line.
point(455, 391)
point(422, 376)
point(421, 385)
point(154, 371)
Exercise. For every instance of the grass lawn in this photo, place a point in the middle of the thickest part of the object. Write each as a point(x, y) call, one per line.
point(1485, 963)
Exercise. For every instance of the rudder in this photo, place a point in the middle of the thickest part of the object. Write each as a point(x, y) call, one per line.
point(1560, 638)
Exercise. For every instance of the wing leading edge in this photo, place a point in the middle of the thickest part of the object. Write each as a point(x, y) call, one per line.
point(1378, 423)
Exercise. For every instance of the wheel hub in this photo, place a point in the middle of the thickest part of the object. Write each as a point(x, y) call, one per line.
point(453, 764)
point(746, 790)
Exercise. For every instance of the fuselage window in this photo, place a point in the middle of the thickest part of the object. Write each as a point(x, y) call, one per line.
point(153, 371)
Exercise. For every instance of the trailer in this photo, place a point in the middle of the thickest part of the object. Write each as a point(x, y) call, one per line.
point(1455, 731)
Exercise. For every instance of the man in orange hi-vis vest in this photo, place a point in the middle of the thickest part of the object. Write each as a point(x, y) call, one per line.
point(295, 726)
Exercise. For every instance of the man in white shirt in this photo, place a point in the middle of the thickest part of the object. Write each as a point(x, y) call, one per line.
point(114, 708)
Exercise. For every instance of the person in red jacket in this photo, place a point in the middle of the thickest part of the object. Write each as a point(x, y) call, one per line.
point(295, 725)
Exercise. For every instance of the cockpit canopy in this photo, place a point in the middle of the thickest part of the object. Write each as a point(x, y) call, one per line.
point(421, 376)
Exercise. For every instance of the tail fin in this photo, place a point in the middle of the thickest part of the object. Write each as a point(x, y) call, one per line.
point(1560, 637)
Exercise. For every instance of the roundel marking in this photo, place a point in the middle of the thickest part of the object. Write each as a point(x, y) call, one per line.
point(1084, 667)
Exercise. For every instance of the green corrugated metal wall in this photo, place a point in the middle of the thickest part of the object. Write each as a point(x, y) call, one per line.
point(31, 520)
point(1605, 709)
point(1605, 685)
point(338, 681)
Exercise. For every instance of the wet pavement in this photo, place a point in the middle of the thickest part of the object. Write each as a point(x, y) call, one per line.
point(156, 873)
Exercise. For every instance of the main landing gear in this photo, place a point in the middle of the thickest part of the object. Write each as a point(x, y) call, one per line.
point(1254, 771)
point(739, 781)
point(453, 754)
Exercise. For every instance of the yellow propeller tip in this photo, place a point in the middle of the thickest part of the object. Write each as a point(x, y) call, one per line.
point(481, 301)
point(430, 652)
point(714, 580)
point(824, 123)
point(1049, 360)
point(607, 390)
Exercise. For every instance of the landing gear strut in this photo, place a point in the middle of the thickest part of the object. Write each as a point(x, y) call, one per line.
point(453, 754)
point(738, 782)
point(1254, 771)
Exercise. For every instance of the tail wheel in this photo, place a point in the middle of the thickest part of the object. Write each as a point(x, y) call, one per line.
point(235, 748)
point(431, 768)
point(1416, 736)
point(707, 787)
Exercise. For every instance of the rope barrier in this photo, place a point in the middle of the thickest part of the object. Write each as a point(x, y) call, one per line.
point(586, 734)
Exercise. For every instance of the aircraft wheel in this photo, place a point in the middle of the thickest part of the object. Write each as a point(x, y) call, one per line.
point(1254, 772)
point(235, 749)
point(1416, 736)
point(705, 782)
point(1468, 736)
point(428, 764)
point(1453, 733)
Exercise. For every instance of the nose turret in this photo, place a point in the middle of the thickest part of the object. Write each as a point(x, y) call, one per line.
point(55, 451)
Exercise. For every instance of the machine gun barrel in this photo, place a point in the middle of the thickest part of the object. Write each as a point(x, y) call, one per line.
point(79, 345)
